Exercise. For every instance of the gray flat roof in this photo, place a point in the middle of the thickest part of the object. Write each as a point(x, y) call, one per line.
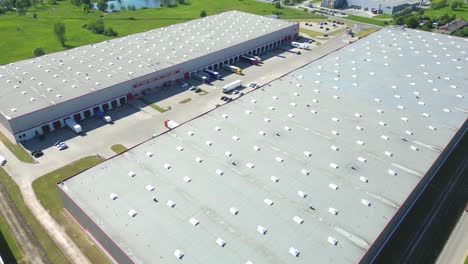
point(37, 83)
point(353, 132)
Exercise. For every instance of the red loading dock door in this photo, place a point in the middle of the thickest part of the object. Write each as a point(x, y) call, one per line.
point(77, 117)
point(122, 101)
point(57, 125)
point(45, 129)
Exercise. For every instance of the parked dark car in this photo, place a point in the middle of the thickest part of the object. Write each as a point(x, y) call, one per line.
point(37, 154)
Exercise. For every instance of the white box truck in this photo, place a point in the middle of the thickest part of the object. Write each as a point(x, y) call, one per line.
point(73, 125)
point(2, 161)
point(300, 45)
point(232, 86)
point(171, 124)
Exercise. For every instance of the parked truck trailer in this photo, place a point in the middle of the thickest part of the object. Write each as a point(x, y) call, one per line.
point(254, 57)
point(232, 86)
point(73, 125)
point(300, 45)
point(249, 60)
point(232, 68)
point(213, 74)
point(200, 77)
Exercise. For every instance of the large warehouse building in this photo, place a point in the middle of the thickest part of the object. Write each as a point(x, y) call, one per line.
point(383, 6)
point(310, 168)
point(39, 94)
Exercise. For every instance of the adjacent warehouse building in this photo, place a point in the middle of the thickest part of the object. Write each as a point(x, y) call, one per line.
point(383, 6)
point(310, 168)
point(39, 94)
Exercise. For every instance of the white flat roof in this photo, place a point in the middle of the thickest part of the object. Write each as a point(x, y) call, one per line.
point(327, 153)
point(40, 82)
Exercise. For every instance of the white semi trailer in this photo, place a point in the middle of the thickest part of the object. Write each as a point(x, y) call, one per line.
point(73, 125)
point(300, 45)
point(232, 86)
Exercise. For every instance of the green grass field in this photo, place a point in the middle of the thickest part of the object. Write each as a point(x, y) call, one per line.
point(16, 149)
point(186, 100)
point(382, 16)
point(155, 106)
point(366, 20)
point(118, 148)
point(10, 241)
point(364, 32)
point(459, 12)
point(310, 33)
point(46, 191)
point(52, 251)
point(24, 33)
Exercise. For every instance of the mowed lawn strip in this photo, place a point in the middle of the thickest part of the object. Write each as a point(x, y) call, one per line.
point(118, 148)
point(16, 149)
point(46, 191)
point(24, 33)
point(52, 251)
point(10, 242)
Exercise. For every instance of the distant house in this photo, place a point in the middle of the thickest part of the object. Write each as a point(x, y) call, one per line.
point(449, 28)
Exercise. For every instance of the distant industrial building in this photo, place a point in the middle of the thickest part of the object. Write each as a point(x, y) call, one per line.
point(378, 6)
point(39, 94)
point(310, 168)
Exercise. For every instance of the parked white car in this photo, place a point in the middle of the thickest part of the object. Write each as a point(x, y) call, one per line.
point(2, 161)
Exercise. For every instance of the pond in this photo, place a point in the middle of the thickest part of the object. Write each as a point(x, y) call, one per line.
point(137, 3)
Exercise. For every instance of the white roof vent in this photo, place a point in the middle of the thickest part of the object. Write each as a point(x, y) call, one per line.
point(132, 213)
point(388, 153)
point(384, 137)
point(432, 128)
point(113, 196)
point(291, 115)
point(279, 159)
point(357, 115)
point(150, 187)
point(313, 111)
point(149, 154)
point(308, 153)
point(220, 242)
point(334, 132)
point(219, 172)
point(250, 165)
point(409, 132)
point(333, 186)
point(363, 179)
point(332, 210)
point(179, 148)
point(225, 116)
point(414, 148)
point(365, 202)
point(332, 241)
point(261, 132)
point(187, 179)
point(190, 133)
point(268, 202)
point(178, 254)
point(131, 174)
point(256, 148)
point(233, 211)
point(266, 120)
point(334, 165)
point(198, 159)
point(298, 220)
point(262, 230)
point(194, 221)
point(167, 166)
point(404, 119)
point(228, 154)
point(170, 204)
point(392, 172)
point(274, 179)
point(208, 143)
point(294, 252)
point(359, 128)
point(334, 119)
point(335, 148)
point(305, 172)
point(235, 137)
point(382, 123)
point(217, 128)
point(302, 194)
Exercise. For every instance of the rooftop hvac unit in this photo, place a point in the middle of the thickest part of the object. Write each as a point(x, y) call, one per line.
point(179, 148)
point(235, 137)
point(332, 241)
point(170, 204)
point(256, 148)
point(361, 159)
point(404, 119)
point(392, 172)
point(333, 186)
point(132, 213)
point(268, 202)
point(298, 220)
point(335, 148)
point(357, 115)
point(217, 128)
point(190, 133)
point(262, 230)
point(307, 153)
point(359, 128)
point(359, 142)
point(365, 202)
point(384, 137)
point(208, 143)
point(261, 132)
point(131, 174)
point(363, 179)
point(250, 165)
point(233, 211)
point(334, 132)
point(149, 154)
point(220, 242)
point(150, 187)
point(302, 194)
point(194, 221)
point(198, 160)
point(219, 172)
point(228, 154)
point(167, 166)
point(332, 211)
point(294, 252)
point(305, 172)
point(187, 179)
point(178, 254)
point(334, 165)
point(113, 196)
point(274, 179)
point(266, 120)
point(278, 159)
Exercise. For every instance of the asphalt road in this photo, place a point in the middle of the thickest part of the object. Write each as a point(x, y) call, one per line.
point(456, 248)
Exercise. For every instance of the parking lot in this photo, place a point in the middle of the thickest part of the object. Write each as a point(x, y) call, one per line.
point(137, 121)
point(324, 27)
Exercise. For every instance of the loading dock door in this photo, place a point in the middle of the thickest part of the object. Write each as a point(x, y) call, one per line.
point(57, 125)
point(114, 103)
point(87, 113)
point(45, 129)
point(105, 107)
point(77, 117)
point(122, 101)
